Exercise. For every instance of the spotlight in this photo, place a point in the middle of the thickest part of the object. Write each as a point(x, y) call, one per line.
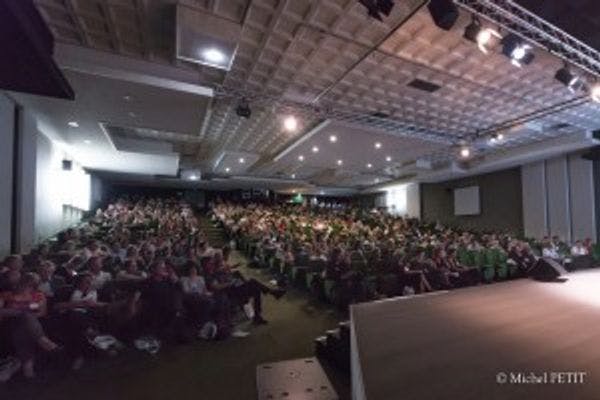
point(243, 109)
point(444, 13)
point(333, 138)
point(375, 7)
point(242, 160)
point(517, 50)
point(340, 162)
point(213, 55)
point(227, 169)
point(482, 36)
point(315, 149)
point(293, 176)
point(571, 81)
point(377, 145)
point(500, 136)
point(290, 123)
point(465, 152)
point(369, 165)
point(73, 124)
point(595, 93)
point(300, 157)
point(388, 158)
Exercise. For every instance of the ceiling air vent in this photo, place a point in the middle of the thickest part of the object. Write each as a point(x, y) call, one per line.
point(561, 125)
point(424, 85)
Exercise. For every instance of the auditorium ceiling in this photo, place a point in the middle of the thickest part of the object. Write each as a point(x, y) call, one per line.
point(423, 93)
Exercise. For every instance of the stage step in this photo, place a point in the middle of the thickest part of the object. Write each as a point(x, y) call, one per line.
point(300, 379)
point(334, 346)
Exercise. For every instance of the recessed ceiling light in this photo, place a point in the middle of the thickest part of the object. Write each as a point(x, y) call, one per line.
point(377, 145)
point(340, 162)
point(369, 165)
point(87, 141)
point(227, 169)
point(333, 138)
point(315, 149)
point(465, 152)
point(73, 124)
point(290, 123)
point(388, 158)
point(293, 176)
point(242, 160)
point(300, 157)
point(213, 55)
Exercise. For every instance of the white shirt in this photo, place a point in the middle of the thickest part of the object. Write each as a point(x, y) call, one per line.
point(193, 286)
point(100, 279)
point(579, 251)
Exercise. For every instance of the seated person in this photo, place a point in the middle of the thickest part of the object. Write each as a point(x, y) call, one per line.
point(98, 276)
point(196, 297)
point(21, 309)
point(131, 272)
point(238, 289)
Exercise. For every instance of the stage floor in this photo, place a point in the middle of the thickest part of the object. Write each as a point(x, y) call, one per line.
point(514, 340)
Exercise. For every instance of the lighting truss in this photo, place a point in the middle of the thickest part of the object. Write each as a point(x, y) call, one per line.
point(389, 125)
point(517, 19)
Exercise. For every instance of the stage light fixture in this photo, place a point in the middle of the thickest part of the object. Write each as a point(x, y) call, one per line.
point(595, 92)
point(444, 13)
point(290, 123)
point(377, 7)
point(243, 109)
point(567, 78)
point(517, 50)
point(482, 36)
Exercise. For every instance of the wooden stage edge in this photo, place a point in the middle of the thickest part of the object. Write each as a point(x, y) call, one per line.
point(514, 340)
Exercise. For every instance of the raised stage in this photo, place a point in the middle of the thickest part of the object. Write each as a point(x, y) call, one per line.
point(514, 340)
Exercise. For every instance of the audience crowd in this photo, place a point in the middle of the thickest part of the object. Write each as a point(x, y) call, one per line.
point(352, 255)
point(139, 272)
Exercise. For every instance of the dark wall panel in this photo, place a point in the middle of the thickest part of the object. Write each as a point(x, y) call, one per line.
point(500, 200)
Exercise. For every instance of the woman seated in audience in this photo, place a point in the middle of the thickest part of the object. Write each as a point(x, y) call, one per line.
point(21, 310)
point(131, 272)
point(197, 299)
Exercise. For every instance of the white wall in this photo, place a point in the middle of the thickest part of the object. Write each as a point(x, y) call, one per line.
point(26, 181)
point(403, 199)
point(60, 196)
point(7, 123)
point(558, 198)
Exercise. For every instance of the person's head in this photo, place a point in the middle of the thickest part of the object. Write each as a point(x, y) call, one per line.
point(95, 265)
point(192, 269)
point(131, 266)
point(83, 282)
point(159, 269)
point(45, 270)
point(27, 283)
point(14, 262)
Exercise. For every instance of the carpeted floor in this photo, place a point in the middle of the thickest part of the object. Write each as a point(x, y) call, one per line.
point(203, 370)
